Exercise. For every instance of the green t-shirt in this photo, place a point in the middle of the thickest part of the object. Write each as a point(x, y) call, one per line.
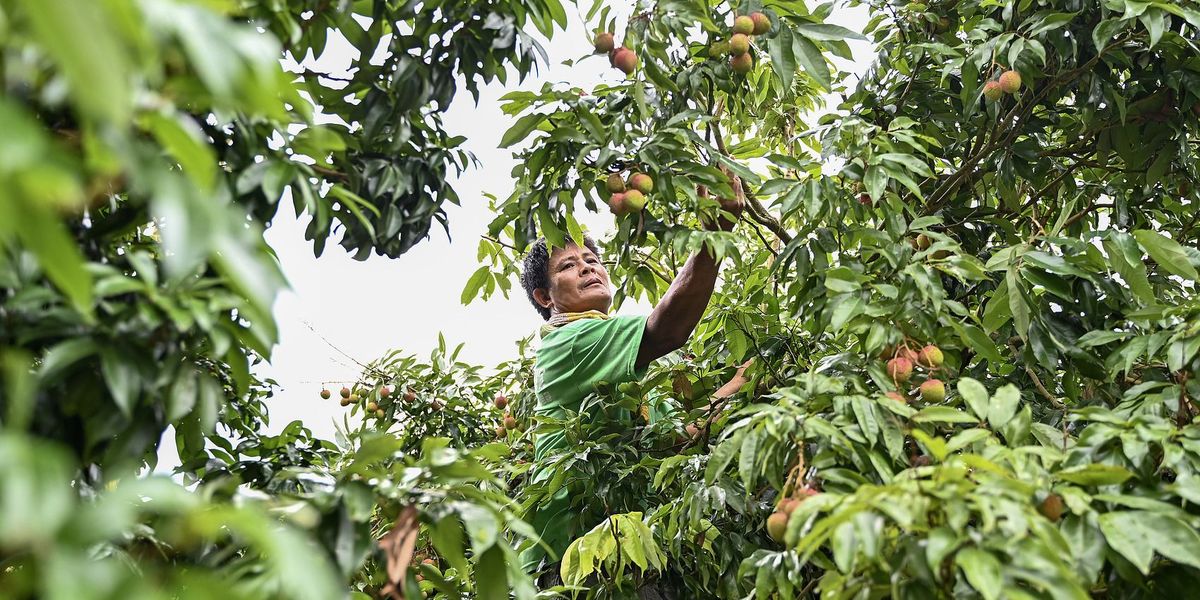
point(571, 361)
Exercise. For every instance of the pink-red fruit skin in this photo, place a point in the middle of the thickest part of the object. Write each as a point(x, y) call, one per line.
point(992, 91)
point(777, 525)
point(641, 182)
point(930, 357)
point(1010, 82)
point(634, 201)
point(762, 24)
point(933, 390)
point(741, 63)
point(625, 60)
point(739, 44)
point(899, 369)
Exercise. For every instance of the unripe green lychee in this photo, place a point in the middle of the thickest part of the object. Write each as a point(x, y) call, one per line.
point(777, 525)
point(345, 392)
point(1052, 507)
point(933, 390)
point(615, 184)
point(1010, 82)
point(718, 49)
point(641, 182)
point(604, 42)
point(992, 91)
point(930, 357)
point(501, 401)
point(762, 24)
point(743, 25)
point(739, 44)
point(325, 394)
point(899, 369)
point(379, 414)
point(741, 63)
point(625, 60)
point(634, 201)
point(345, 402)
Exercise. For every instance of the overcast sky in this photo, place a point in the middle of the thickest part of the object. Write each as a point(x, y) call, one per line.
point(369, 308)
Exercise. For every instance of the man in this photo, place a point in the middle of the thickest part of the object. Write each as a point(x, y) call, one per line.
point(582, 345)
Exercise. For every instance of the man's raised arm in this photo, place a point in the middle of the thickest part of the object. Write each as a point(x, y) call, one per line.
point(672, 321)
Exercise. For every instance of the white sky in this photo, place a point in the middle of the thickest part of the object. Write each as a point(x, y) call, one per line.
point(369, 308)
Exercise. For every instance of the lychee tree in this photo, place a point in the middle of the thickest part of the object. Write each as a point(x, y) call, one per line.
point(966, 280)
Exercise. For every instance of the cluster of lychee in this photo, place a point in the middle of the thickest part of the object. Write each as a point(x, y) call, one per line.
point(628, 197)
point(509, 422)
point(621, 58)
point(1009, 82)
point(777, 522)
point(738, 46)
point(371, 407)
point(900, 368)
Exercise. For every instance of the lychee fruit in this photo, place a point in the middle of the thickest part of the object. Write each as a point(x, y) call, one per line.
point(604, 42)
point(777, 525)
point(409, 396)
point(933, 390)
point(372, 407)
point(345, 392)
point(325, 394)
point(762, 24)
point(923, 242)
point(501, 432)
point(501, 401)
point(739, 44)
point(930, 357)
point(634, 201)
point(345, 402)
point(787, 505)
point(741, 63)
point(625, 60)
point(718, 49)
point(385, 391)
point(899, 369)
point(1010, 82)
point(992, 91)
point(510, 422)
point(743, 25)
point(379, 414)
point(615, 184)
point(616, 203)
point(641, 182)
point(435, 405)
point(1052, 507)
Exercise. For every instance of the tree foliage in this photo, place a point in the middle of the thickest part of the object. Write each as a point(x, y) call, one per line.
point(1043, 240)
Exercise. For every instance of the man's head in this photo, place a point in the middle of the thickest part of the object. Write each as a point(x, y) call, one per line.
point(570, 279)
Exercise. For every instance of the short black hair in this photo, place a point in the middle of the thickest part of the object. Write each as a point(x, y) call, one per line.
point(535, 271)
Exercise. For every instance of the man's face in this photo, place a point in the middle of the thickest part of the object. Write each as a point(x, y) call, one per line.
point(578, 282)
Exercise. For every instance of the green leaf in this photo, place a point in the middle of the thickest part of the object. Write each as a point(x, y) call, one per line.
point(943, 414)
point(185, 142)
point(982, 570)
point(521, 129)
point(122, 379)
point(1095, 474)
point(82, 39)
point(1166, 252)
point(1003, 405)
point(63, 356)
point(783, 57)
point(980, 343)
point(478, 278)
point(826, 32)
point(975, 395)
point(41, 231)
point(1136, 535)
point(813, 61)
